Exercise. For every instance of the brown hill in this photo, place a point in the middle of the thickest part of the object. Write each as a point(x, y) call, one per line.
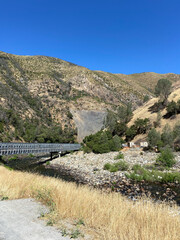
point(45, 90)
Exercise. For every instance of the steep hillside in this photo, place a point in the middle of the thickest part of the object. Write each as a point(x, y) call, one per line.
point(43, 91)
point(145, 112)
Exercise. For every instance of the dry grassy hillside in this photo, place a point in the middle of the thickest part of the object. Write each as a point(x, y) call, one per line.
point(148, 80)
point(46, 89)
point(144, 112)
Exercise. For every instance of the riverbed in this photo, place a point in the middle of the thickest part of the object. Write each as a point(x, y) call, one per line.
point(89, 169)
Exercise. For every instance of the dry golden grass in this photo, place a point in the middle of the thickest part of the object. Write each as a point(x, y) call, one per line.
point(111, 216)
point(143, 112)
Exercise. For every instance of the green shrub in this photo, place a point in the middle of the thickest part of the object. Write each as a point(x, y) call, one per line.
point(146, 98)
point(176, 132)
point(166, 158)
point(139, 173)
point(130, 133)
point(119, 166)
point(80, 222)
point(119, 129)
point(122, 165)
point(136, 167)
point(13, 158)
point(75, 233)
point(154, 138)
point(173, 108)
point(171, 177)
point(167, 136)
point(107, 166)
point(102, 142)
point(119, 156)
point(113, 168)
point(142, 125)
point(117, 142)
point(139, 127)
point(86, 149)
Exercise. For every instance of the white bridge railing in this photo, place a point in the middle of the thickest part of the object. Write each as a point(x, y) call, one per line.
point(26, 148)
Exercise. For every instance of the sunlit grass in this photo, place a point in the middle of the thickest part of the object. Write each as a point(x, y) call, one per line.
point(111, 216)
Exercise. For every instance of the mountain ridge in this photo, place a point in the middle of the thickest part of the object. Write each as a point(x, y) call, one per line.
point(47, 89)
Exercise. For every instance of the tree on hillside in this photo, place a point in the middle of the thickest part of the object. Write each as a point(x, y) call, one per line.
point(116, 122)
point(167, 136)
point(142, 125)
point(173, 108)
point(163, 89)
point(154, 138)
point(110, 121)
point(125, 113)
point(119, 129)
point(157, 123)
point(176, 131)
point(131, 133)
point(146, 98)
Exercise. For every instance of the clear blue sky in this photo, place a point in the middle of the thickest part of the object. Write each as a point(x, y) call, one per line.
point(119, 36)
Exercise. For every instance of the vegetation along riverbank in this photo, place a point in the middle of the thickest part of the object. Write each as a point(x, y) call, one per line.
point(133, 173)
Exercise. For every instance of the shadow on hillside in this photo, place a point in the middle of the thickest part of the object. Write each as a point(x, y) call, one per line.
point(156, 107)
point(169, 116)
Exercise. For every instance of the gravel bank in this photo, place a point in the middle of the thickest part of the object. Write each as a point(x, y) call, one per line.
point(90, 166)
point(88, 169)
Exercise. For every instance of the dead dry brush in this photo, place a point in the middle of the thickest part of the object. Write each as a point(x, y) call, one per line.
point(110, 216)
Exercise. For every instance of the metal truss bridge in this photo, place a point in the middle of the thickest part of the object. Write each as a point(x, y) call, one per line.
point(27, 148)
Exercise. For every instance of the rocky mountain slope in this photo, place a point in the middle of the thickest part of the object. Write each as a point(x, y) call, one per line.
point(48, 91)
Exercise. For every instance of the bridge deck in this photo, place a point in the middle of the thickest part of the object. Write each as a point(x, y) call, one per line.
point(26, 148)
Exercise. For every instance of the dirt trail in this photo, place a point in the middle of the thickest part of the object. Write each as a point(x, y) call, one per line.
point(19, 221)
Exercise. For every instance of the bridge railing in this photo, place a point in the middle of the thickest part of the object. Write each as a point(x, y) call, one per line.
point(27, 148)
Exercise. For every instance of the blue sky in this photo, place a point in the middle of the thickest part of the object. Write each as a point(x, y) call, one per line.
point(118, 36)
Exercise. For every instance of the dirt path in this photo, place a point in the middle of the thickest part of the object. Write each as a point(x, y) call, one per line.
point(19, 221)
